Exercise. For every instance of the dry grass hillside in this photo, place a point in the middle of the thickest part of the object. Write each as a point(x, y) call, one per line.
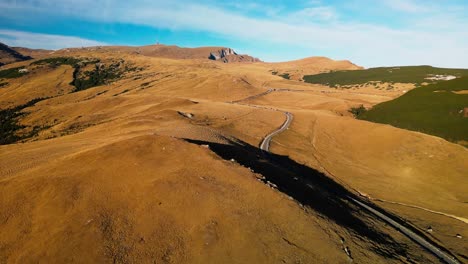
point(34, 53)
point(295, 70)
point(9, 55)
point(175, 52)
point(129, 158)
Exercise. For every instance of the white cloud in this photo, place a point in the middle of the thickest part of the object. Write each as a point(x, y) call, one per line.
point(409, 6)
point(363, 43)
point(44, 41)
point(253, 7)
point(320, 13)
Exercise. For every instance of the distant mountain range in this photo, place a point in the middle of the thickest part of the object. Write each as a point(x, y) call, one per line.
point(294, 69)
point(223, 54)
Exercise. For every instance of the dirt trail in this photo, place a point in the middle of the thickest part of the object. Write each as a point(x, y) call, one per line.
point(462, 219)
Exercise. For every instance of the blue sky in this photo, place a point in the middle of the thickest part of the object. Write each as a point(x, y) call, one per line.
point(367, 32)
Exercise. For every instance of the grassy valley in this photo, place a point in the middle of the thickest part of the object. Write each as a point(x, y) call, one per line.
point(435, 108)
point(403, 74)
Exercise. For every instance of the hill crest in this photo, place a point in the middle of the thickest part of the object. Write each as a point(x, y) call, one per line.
point(10, 55)
point(223, 54)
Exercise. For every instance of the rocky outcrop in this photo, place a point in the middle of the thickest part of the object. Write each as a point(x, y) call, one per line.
point(227, 55)
point(214, 56)
point(227, 52)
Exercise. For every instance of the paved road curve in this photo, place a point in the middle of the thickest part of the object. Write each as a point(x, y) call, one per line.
point(418, 239)
point(265, 146)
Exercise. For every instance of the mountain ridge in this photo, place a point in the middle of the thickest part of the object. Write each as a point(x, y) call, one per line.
point(215, 53)
point(9, 55)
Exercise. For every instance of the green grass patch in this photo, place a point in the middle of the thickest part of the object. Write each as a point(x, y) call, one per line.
point(84, 79)
point(404, 74)
point(57, 61)
point(9, 123)
point(101, 74)
point(285, 76)
point(357, 111)
point(432, 109)
point(12, 73)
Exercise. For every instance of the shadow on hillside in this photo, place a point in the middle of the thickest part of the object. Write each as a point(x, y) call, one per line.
point(311, 188)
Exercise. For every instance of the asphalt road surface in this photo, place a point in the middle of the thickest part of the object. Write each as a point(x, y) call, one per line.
point(265, 146)
point(418, 239)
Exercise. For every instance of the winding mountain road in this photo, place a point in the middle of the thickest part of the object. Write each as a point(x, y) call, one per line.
point(422, 241)
point(265, 145)
point(415, 237)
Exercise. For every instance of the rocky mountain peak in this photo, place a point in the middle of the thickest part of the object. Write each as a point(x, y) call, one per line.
point(229, 55)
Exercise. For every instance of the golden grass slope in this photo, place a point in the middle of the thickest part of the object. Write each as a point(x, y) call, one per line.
point(112, 180)
point(10, 55)
point(171, 52)
point(139, 200)
point(378, 161)
point(165, 51)
point(312, 65)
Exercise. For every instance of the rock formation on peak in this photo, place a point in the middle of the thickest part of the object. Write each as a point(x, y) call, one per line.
point(229, 55)
point(223, 54)
point(214, 56)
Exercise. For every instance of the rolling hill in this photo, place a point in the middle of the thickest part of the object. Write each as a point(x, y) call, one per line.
point(150, 154)
point(296, 70)
point(223, 54)
point(436, 107)
point(9, 55)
